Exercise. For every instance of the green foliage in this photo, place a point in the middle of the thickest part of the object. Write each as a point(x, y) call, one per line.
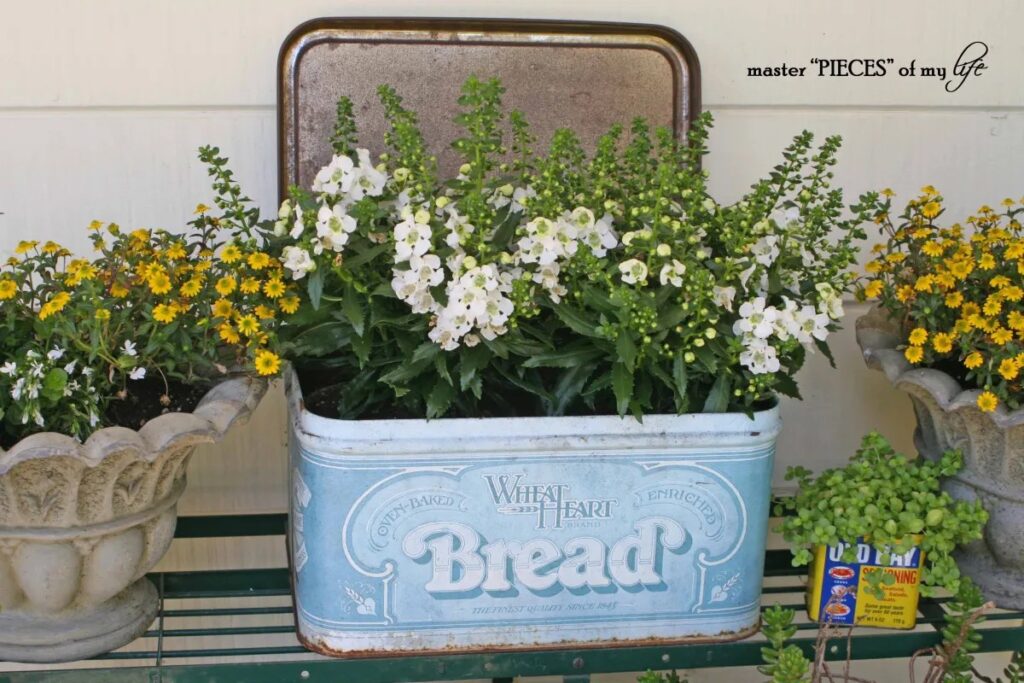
point(782, 663)
point(552, 281)
point(888, 500)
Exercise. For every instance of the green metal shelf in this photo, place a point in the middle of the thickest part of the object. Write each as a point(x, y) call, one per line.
point(168, 653)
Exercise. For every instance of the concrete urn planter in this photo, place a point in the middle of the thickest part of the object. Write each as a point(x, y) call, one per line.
point(82, 523)
point(993, 449)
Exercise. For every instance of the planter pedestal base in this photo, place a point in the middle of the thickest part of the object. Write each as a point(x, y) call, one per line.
point(84, 633)
point(999, 584)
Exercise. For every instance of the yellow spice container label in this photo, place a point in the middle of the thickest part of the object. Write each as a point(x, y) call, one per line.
point(830, 575)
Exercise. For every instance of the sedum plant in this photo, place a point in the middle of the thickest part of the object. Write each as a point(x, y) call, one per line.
point(890, 501)
point(957, 292)
point(553, 282)
point(142, 328)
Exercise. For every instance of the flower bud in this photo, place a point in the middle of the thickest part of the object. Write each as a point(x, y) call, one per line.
point(663, 249)
point(465, 169)
point(421, 216)
point(441, 202)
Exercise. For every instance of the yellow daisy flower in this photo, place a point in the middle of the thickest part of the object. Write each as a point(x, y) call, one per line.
point(942, 342)
point(273, 288)
point(102, 315)
point(987, 401)
point(159, 283)
point(265, 312)
point(191, 287)
point(874, 289)
point(918, 336)
point(954, 300)
point(231, 254)
point(7, 289)
point(25, 246)
point(1009, 369)
point(914, 354)
point(289, 304)
point(118, 290)
point(258, 261)
point(267, 362)
point(973, 360)
point(250, 285)
point(222, 308)
point(227, 333)
point(164, 313)
point(226, 285)
point(248, 325)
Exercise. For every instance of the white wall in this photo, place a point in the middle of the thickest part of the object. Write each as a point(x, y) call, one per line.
point(103, 103)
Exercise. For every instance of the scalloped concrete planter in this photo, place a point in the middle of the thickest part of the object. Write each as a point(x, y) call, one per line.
point(81, 524)
point(993, 448)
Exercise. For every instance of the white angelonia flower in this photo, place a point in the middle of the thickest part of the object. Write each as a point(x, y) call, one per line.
point(756, 319)
point(9, 368)
point(333, 226)
point(547, 277)
point(18, 389)
point(766, 250)
point(283, 214)
point(297, 226)
point(811, 325)
point(672, 273)
point(830, 301)
point(298, 261)
point(520, 197)
point(633, 271)
point(723, 297)
point(547, 241)
point(94, 418)
point(55, 353)
point(599, 236)
point(128, 348)
point(336, 177)
point(412, 238)
point(368, 181)
point(759, 357)
point(137, 373)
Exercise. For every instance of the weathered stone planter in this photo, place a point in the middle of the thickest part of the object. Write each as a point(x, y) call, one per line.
point(81, 524)
point(993, 448)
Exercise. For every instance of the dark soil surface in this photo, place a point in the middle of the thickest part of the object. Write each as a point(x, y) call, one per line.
point(147, 399)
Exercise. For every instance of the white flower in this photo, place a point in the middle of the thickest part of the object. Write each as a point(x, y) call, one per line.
point(9, 368)
point(298, 261)
point(756, 319)
point(829, 300)
point(766, 250)
point(367, 180)
point(336, 177)
point(599, 236)
point(333, 227)
point(723, 296)
point(547, 241)
point(283, 214)
point(70, 367)
point(137, 373)
point(412, 238)
point(633, 271)
point(297, 227)
point(128, 348)
point(759, 357)
point(55, 353)
point(672, 272)
point(812, 324)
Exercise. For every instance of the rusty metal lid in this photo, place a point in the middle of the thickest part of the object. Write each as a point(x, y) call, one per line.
point(583, 75)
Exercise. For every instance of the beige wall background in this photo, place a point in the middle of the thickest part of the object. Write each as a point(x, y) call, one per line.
point(103, 103)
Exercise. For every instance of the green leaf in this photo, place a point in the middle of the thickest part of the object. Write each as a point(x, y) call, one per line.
point(822, 346)
point(718, 397)
point(362, 346)
point(576, 321)
point(425, 351)
point(315, 287)
point(364, 255)
point(570, 384)
point(680, 378)
point(565, 358)
point(786, 385)
point(353, 309)
point(323, 339)
point(53, 385)
point(440, 399)
point(622, 385)
point(626, 349)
